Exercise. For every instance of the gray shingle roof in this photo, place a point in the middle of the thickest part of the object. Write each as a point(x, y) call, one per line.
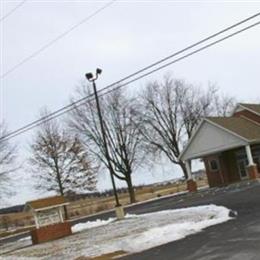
point(240, 126)
point(253, 107)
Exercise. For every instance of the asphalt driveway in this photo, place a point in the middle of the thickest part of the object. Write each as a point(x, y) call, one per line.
point(238, 239)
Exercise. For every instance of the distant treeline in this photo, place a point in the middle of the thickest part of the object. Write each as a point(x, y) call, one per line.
point(106, 193)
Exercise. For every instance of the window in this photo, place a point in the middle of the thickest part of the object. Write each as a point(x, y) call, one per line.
point(214, 165)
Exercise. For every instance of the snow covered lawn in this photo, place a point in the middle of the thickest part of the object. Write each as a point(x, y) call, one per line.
point(134, 233)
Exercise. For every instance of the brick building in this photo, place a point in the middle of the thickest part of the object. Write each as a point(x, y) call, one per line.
point(229, 146)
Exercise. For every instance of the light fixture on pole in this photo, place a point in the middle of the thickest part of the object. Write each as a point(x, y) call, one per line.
point(91, 78)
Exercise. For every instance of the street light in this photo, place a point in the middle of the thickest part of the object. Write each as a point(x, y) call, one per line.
point(92, 78)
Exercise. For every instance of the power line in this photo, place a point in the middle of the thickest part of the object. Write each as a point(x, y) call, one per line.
point(12, 11)
point(57, 38)
point(166, 58)
point(151, 65)
point(72, 106)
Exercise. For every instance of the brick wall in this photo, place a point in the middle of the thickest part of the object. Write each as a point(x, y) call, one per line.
point(215, 178)
point(50, 232)
point(227, 172)
point(230, 162)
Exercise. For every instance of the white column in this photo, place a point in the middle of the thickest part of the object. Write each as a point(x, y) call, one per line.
point(188, 167)
point(249, 155)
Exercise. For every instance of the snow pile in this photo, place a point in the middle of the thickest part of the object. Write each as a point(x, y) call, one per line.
point(201, 218)
point(87, 225)
point(134, 233)
point(25, 238)
point(91, 224)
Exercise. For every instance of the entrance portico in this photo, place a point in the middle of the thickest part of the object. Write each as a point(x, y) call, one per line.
point(228, 155)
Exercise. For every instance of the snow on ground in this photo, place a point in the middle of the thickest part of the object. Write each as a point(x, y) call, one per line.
point(91, 224)
point(134, 233)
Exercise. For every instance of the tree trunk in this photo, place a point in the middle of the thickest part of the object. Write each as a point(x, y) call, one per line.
point(61, 188)
point(130, 189)
point(184, 170)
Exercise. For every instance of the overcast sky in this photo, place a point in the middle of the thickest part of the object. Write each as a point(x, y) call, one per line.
point(121, 39)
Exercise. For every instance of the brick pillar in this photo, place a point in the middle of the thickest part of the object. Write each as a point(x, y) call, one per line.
point(191, 185)
point(252, 171)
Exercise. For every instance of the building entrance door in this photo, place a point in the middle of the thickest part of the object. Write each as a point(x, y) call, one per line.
point(242, 164)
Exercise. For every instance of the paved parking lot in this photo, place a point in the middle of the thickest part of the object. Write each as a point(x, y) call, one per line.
point(238, 239)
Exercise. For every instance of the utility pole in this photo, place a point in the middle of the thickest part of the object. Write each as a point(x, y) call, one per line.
point(90, 77)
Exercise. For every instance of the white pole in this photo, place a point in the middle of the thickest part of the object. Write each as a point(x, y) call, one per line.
point(249, 155)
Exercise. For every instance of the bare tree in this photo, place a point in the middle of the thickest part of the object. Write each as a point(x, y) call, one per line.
point(223, 105)
point(171, 110)
point(7, 157)
point(122, 131)
point(60, 162)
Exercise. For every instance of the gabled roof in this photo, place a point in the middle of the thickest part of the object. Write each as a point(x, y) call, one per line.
point(254, 108)
point(227, 133)
point(45, 203)
point(240, 126)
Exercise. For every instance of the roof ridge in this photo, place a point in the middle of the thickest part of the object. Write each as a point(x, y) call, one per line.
point(253, 107)
point(235, 117)
point(242, 103)
point(224, 117)
point(216, 117)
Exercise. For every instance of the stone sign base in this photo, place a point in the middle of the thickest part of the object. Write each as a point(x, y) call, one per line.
point(191, 185)
point(120, 214)
point(51, 232)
